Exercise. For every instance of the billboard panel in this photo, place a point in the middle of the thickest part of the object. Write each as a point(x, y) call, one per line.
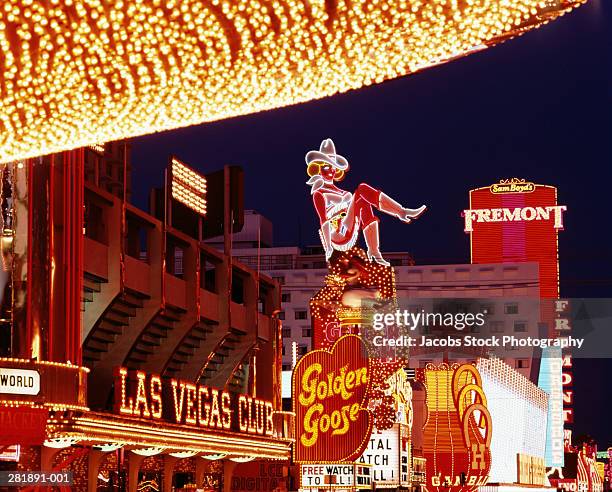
point(383, 453)
point(550, 381)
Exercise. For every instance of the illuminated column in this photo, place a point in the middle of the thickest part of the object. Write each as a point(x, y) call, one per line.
point(48, 247)
point(95, 458)
point(67, 257)
point(134, 462)
point(199, 472)
point(228, 472)
point(169, 463)
point(22, 336)
point(41, 271)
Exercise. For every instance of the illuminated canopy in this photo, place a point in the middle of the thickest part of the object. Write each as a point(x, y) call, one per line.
point(78, 72)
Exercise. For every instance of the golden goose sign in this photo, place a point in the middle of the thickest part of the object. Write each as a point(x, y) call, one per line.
point(329, 391)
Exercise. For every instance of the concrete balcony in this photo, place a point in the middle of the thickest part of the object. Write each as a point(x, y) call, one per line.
point(159, 301)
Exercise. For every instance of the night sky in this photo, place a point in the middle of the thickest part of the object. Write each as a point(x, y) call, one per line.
point(537, 107)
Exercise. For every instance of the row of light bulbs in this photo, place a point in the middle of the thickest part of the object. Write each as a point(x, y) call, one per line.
point(78, 72)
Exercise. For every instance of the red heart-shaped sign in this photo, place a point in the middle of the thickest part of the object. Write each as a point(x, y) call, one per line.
point(329, 393)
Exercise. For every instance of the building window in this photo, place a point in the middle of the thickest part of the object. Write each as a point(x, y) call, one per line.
point(302, 350)
point(496, 326)
point(208, 274)
point(286, 332)
point(286, 297)
point(511, 308)
point(424, 362)
point(280, 279)
point(522, 363)
point(178, 262)
point(283, 349)
point(462, 308)
point(487, 309)
point(520, 326)
point(301, 314)
point(286, 367)
point(281, 315)
point(306, 332)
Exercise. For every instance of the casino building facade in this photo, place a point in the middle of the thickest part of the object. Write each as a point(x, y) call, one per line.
point(132, 354)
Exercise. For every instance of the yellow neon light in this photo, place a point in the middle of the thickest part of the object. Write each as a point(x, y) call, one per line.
point(80, 72)
point(103, 429)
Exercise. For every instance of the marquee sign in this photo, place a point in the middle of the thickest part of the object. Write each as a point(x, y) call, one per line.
point(383, 453)
point(149, 396)
point(329, 401)
point(330, 476)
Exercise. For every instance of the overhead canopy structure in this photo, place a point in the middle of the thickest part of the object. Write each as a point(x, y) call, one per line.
point(78, 72)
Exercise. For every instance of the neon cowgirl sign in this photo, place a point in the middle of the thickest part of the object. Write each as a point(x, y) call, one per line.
point(343, 214)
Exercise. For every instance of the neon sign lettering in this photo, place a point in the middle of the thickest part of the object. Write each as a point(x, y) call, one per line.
point(315, 390)
point(329, 394)
point(512, 186)
point(525, 214)
point(147, 396)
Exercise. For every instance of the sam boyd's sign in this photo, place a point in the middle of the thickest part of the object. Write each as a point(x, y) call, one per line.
point(19, 381)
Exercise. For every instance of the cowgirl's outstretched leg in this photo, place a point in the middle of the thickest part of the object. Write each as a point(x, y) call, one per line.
point(391, 207)
point(385, 203)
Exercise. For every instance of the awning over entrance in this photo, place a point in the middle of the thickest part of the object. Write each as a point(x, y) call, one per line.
point(93, 428)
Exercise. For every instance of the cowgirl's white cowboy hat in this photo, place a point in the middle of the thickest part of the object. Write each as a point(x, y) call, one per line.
point(327, 153)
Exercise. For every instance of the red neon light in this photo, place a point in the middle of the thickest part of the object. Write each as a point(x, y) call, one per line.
point(518, 240)
point(141, 395)
point(343, 214)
